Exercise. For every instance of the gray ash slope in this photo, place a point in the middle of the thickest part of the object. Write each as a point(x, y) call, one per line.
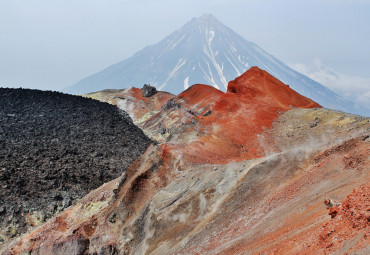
point(55, 148)
point(208, 52)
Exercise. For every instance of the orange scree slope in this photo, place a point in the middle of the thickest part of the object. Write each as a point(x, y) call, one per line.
point(230, 123)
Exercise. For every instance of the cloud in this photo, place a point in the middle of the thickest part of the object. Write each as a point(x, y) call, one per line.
point(353, 88)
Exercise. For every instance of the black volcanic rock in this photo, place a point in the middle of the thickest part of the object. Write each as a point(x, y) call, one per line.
point(55, 148)
point(148, 90)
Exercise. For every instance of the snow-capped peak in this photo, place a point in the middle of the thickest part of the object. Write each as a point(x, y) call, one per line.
point(202, 51)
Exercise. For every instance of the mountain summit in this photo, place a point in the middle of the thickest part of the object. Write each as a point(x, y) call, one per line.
point(202, 51)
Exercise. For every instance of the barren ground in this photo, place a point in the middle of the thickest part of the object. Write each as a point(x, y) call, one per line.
point(54, 149)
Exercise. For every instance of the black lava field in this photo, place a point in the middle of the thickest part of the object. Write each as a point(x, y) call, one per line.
point(55, 148)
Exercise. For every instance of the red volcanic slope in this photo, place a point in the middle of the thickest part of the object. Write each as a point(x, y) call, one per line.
point(348, 219)
point(230, 131)
point(158, 98)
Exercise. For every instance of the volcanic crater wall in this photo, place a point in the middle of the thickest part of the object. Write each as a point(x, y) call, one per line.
point(249, 171)
point(54, 149)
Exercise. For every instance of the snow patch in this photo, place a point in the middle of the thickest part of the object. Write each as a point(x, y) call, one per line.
point(208, 75)
point(179, 64)
point(232, 48)
point(176, 43)
point(211, 36)
point(236, 69)
point(212, 56)
point(186, 83)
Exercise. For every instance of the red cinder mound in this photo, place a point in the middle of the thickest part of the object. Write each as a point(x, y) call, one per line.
point(257, 84)
point(229, 123)
point(200, 95)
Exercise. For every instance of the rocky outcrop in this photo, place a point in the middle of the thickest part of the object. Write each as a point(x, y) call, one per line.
point(249, 177)
point(54, 149)
point(133, 101)
point(349, 221)
point(148, 90)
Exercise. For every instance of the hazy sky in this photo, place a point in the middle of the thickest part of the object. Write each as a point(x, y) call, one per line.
point(51, 44)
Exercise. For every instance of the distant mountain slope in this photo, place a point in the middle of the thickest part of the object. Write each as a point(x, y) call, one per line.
point(202, 51)
point(55, 148)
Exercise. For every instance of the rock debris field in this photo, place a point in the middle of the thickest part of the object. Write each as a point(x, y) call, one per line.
point(54, 149)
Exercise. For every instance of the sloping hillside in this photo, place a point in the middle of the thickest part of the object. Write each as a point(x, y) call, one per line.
point(54, 149)
point(259, 169)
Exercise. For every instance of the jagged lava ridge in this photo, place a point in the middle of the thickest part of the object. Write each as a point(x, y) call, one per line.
point(242, 172)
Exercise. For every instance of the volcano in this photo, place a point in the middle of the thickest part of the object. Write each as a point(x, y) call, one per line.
point(258, 169)
point(203, 51)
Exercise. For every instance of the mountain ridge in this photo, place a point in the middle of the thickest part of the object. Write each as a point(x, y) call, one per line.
point(202, 51)
point(246, 171)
